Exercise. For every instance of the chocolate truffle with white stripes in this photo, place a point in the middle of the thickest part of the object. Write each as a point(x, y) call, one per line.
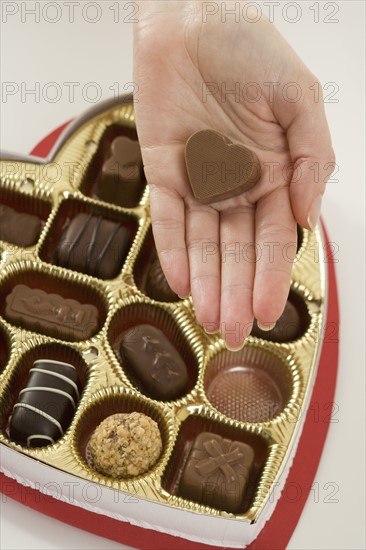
point(46, 405)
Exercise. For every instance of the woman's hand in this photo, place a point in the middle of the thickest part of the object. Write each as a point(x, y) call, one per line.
point(243, 80)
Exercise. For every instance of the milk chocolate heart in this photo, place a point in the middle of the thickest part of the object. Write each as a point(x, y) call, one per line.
point(219, 169)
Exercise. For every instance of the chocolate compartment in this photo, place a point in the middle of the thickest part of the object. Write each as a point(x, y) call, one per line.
point(141, 272)
point(5, 346)
point(51, 282)
point(252, 385)
point(111, 401)
point(189, 430)
point(90, 179)
point(20, 373)
point(300, 237)
point(139, 313)
point(25, 204)
point(67, 212)
point(288, 328)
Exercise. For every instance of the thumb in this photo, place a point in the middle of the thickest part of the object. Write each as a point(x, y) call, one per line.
point(313, 159)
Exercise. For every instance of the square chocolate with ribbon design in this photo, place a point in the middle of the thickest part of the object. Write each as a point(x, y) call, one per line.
point(217, 472)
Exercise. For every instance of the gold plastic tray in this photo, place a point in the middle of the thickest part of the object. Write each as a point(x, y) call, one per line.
point(57, 186)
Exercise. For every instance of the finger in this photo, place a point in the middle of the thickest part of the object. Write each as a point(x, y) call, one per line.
point(168, 223)
point(202, 223)
point(237, 274)
point(276, 248)
point(313, 158)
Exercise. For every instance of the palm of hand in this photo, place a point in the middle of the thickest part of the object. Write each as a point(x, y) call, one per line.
point(229, 255)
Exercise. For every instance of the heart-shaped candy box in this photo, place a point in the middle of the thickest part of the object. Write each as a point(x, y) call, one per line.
point(255, 399)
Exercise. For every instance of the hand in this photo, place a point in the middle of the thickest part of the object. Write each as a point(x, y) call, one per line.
point(185, 69)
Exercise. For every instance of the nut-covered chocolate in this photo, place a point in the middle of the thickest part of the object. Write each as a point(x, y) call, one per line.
point(217, 472)
point(125, 445)
point(154, 362)
point(46, 405)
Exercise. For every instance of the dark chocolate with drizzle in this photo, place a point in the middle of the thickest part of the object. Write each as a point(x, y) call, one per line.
point(46, 405)
point(93, 245)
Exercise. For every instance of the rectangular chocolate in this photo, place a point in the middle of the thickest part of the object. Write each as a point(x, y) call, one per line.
point(93, 245)
point(51, 314)
point(217, 472)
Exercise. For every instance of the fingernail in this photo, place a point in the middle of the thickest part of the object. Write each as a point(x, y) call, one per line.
point(183, 297)
point(314, 212)
point(266, 326)
point(235, 348)
point(211, 328)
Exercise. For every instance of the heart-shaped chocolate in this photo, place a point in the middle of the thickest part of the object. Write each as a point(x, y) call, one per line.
point(219, 169)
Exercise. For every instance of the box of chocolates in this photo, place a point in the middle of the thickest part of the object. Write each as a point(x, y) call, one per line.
point(106, 378)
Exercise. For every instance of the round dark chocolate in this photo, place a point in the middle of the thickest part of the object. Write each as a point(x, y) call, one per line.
point(287, 328)
point(156, 286)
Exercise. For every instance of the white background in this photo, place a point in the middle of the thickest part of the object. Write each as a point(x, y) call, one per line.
point(83, 52)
